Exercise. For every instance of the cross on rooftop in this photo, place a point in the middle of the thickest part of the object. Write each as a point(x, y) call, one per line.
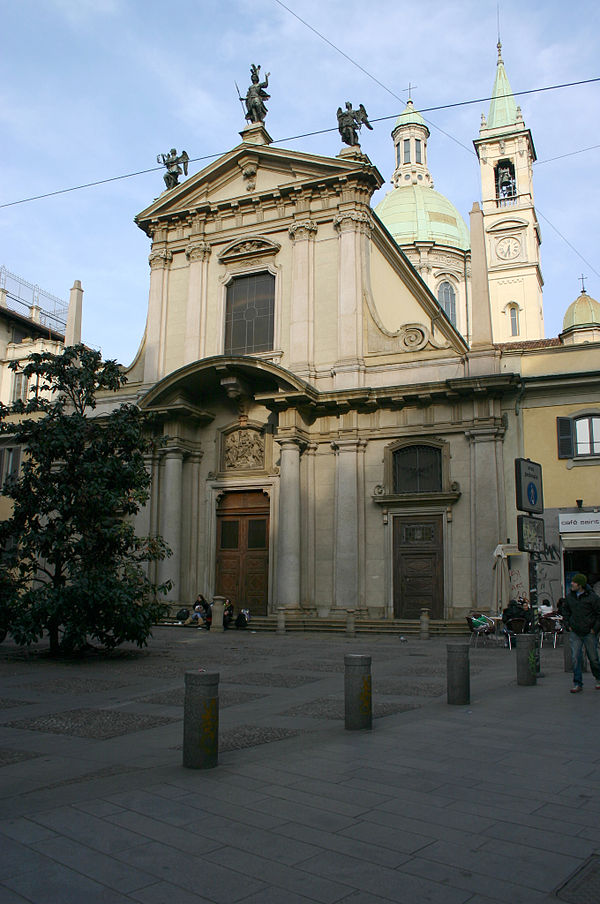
point(582, 277)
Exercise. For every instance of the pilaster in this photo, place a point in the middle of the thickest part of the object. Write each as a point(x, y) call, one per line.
point(159, 261)
point(288, 553)
point(198, 254)
point(349, 523)
point(302, 233)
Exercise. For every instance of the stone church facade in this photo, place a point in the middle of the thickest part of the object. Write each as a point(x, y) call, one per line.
point(330, 441)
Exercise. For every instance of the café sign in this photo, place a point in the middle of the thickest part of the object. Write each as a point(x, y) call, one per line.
point(579, 522)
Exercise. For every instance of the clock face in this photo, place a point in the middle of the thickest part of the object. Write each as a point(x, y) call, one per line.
point(508, 248)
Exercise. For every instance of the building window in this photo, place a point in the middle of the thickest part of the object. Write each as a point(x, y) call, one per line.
point(514, 320)
point(249, 314)
point(578, 437)
point(10, 459)
point(407, 150)
point(20, 385)
point(447, 300)
point(418, 151)
point(417, 469)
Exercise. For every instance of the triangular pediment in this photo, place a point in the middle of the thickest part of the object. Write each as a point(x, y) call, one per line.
point(251, 170)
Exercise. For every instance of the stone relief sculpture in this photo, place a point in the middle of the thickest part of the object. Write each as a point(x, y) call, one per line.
point(350, 122)
point(174, 170)
point(244, 449)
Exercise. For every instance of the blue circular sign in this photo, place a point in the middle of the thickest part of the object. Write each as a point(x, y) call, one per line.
point(532, 493)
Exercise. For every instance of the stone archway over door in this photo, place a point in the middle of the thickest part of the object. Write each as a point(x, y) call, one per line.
point(418, 566)
point(242, 567)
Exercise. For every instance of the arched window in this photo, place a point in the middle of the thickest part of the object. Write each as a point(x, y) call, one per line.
point(249, 314)
point(417, 469)
point(447, 300)
point(514, 320)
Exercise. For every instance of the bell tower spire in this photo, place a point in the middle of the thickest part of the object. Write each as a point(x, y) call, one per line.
point(506, 155)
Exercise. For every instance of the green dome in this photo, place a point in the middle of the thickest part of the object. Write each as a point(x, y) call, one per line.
point(584, 311)
point(408, 116)
point(417, 213)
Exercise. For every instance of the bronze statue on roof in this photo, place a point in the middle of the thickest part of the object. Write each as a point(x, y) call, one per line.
point(174, 170)
point(256, 96)
point(350, 122)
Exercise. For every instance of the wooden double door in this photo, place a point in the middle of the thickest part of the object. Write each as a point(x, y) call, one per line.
point(242, 572)
point(418, 566)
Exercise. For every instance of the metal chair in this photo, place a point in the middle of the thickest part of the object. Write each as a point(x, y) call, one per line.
point(550, 625)
point(515, 626)
point(483, 629)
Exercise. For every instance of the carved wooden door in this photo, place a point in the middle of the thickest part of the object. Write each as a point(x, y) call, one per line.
point(418, 566)
point(243, 550)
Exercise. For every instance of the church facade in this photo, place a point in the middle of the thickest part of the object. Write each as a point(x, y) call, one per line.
point(332, 435)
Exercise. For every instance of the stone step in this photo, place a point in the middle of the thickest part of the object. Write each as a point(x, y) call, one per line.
point(362, 625)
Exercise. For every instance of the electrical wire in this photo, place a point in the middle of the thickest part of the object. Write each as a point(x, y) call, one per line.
point(153, 169)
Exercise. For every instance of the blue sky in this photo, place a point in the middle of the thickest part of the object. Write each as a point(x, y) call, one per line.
point(91, 89)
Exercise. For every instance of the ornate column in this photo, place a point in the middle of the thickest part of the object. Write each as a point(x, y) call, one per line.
point(302, 233)
point(288, 550)
point(349, 523)
point(352, 226)
point(486, 503)
point(190, 577)
point(159, 260)
point(170, 517)
point(197, 253)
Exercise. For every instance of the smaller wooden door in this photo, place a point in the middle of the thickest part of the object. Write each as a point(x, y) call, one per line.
point(418, 566)
point(243, 550)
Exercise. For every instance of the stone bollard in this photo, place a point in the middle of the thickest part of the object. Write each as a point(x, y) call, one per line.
point(526, 666)
point(201, 720)
point(457, 674)
point(424, 624)
point(357, 692)
point(281, 620)
point(218, 606)
point(350, 623)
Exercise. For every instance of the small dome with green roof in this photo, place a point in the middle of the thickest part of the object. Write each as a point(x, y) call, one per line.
point(417, 213)
point(584, 311)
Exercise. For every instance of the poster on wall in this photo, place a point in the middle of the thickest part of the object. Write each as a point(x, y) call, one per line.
point(530, 534)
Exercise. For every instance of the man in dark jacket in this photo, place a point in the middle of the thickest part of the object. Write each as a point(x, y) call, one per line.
point(581, 613)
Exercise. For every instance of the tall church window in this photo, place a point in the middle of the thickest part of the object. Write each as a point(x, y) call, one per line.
point(406, 150)
point(249, 314)
point(417, 469)
point(514, 320)
point(506, 183)
point(447, 300)
point(418, 151)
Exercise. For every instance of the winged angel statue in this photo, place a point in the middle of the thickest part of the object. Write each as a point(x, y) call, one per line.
point(172, 161)
point(350, 122)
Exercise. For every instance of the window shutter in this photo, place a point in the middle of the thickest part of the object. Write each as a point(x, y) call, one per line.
point(564, 430)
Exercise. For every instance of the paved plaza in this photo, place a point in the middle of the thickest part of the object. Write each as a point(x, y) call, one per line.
point(497, 801)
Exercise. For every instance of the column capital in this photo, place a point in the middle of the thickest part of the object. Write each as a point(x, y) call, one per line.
point(302, 229)
point(198, 251)
point(353, 221)
point(349, 445)
point(160, 259)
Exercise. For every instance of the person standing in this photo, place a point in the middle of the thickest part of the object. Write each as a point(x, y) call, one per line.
point(581, 613)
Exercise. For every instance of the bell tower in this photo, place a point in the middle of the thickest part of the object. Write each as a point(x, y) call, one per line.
point(512, 234)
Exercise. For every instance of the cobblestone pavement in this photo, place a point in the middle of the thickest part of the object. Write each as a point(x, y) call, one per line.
point(496, 801)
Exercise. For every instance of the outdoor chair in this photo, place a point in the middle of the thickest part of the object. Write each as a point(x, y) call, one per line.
point(515, 626)
point(550, 625)
point(484, 630)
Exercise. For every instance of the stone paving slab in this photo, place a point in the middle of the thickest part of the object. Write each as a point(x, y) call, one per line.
point(491, 803)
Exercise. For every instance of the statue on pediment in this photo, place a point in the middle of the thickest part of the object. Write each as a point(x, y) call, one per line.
point(256, 96)
point(172, 163)
point(350, 122)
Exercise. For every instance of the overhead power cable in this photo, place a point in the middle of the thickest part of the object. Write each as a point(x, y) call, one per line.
point(153, 169)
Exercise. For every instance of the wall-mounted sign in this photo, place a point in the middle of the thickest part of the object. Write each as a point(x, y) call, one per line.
point(579, 522)
point(528, 485)
point(530, 534)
